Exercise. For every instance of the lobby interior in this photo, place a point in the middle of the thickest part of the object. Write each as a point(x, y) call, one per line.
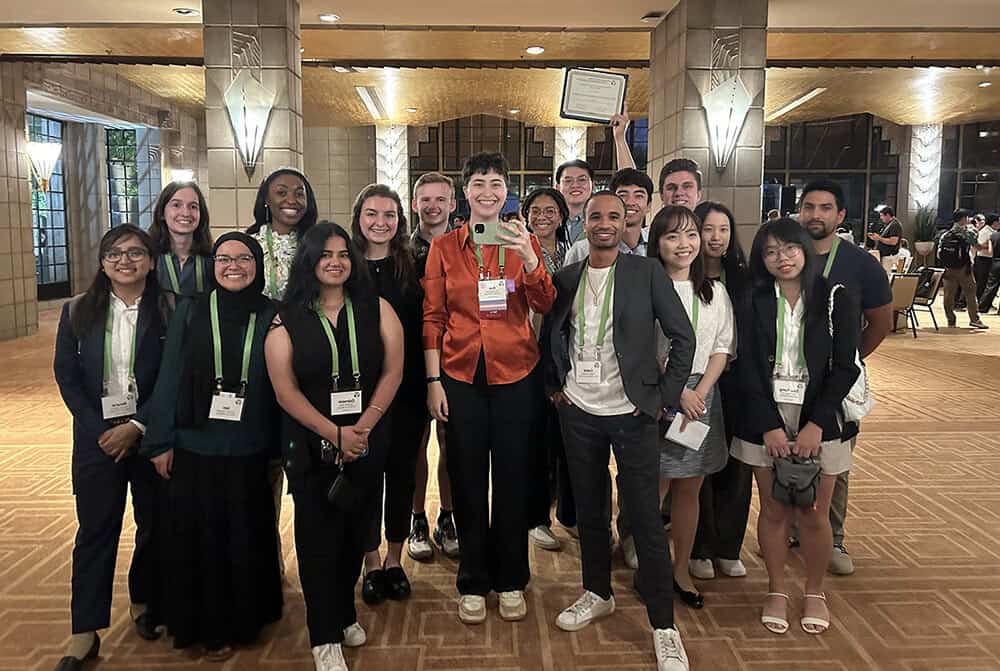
point(899, 102)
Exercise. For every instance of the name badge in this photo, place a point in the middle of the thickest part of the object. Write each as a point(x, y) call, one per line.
point(345, 402)
point(492, 299)
point(226, 406)
point(119, 405)
point(588, 372)
point(789, 391)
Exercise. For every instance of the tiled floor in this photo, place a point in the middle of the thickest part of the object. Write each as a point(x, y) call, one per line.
point(923, 530)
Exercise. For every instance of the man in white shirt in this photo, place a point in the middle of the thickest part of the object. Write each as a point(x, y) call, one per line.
point(983, 260)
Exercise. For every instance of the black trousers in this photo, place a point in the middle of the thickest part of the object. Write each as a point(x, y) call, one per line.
point(634, 441)
point(724, 502)
point(408, 419)
point(100, 488)
point(992, 285)
point(550, 474)
point(981, 271)
point(490, 433)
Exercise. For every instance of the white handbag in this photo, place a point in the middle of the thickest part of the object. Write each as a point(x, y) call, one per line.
point(859, 400)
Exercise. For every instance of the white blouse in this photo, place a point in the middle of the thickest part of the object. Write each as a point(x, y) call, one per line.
point(124, 319)
point(716, 333)
point(283, 253)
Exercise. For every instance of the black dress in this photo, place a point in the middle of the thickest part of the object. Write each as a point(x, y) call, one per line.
point(328, 542)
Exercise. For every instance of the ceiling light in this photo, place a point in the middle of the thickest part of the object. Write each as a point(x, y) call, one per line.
point(795, 103)
point(411, 110)
point(370, 97)
point(980, 67)
point(302, 50)
point(329, 18)
point(984, 85)
point(652, 17)
point(514, 111)
point(341, 69)
point(534, 51)
point(185, 11)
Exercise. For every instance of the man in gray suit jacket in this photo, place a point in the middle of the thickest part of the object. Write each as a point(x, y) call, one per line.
point(599, 349)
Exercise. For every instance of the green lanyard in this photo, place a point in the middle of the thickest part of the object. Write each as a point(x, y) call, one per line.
point(272, 270)
point(581, 317)
point(199, 274)
point(779, 353)
point(482, 266)
point(217, 345)
point(695, 309)
point(831, 257)
point(108, 332)
point(352, 336)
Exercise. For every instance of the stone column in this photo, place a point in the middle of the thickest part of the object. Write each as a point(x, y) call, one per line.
point(258, 42)
point(707, 100)
point(18, 295)
point(85, 152)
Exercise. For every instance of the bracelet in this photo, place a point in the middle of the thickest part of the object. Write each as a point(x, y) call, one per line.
point(380, 409)
point(436, 378)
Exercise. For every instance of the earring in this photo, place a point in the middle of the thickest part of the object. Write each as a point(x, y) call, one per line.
point(267, 214)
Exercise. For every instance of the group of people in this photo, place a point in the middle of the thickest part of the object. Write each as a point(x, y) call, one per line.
point(969, 252)
point(206, 375)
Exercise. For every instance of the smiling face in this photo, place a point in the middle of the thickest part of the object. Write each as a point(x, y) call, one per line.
point(434, 202)
point(576, 186)
point(182, 212)
point(286, 199)
point(604, 221)
point(544, 217)
point(379, 219)
point(678, 248)
point(818, 214)
point(132, 265)
point(681, 188)
point(636, 204)
point(235, 268)
point(334, 265)
point(486, 193)
point(716, 233)
point(784, 260)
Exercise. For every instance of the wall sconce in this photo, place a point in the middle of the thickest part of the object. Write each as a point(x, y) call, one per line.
point(43, 157)
point(727, 101)
point(248, 102)
point(392, 163)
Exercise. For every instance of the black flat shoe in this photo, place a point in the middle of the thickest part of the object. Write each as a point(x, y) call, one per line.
point(146, 627)
point(693, 599)
point(73, 664)
point(374, 587)
point(397, 584)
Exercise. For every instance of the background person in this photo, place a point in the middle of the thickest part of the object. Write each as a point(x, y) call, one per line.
point(887, 241)
point(636, 190)
point(993, 280)
point(575, 180)
point(953, 251)
point(983, 260)
point(183, 239)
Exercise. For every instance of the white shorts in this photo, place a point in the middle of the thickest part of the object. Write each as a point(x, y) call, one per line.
point(835, 457)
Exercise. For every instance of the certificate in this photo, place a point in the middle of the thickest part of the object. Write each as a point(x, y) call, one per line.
point(592, 95)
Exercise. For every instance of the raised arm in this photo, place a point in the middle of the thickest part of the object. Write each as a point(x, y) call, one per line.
point(619, 126)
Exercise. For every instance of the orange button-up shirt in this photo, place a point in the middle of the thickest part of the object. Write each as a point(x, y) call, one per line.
point(451, 310)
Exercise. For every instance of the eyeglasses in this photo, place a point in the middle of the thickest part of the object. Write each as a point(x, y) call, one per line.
point(240, 260)
point(787, 251)
point(582, 180)
point(549, 212)
point(133, 254)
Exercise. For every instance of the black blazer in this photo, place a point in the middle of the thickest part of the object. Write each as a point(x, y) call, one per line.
point(828, 385)
point(79, 372)
point(643, 295)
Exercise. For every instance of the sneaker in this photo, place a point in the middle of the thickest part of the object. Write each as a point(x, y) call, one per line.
point(512, 606)
point(840, 562)
point(543, 538)
point(472, 609)
point(701, 568)
point(733, 568)
point(670, 655)
point(446, 537)
point(419, 545)
point(585, 610)
point(978, 324)
point(329, 657)
point(355, 636)
point(628, 549)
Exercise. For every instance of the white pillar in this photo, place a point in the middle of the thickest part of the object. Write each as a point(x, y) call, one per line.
point(392, 161)
point(925, 167)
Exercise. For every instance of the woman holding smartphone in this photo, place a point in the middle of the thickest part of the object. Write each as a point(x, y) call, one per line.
point(180, 231)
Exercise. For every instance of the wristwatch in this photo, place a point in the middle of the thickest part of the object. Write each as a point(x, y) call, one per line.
point(436, 378)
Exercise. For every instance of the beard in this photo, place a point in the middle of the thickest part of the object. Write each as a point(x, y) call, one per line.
point(817, 230)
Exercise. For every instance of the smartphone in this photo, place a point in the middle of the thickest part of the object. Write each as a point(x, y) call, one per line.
point(487, 233)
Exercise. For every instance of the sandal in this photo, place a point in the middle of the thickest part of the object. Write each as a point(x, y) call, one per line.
point(774, 624)
point(814, 625)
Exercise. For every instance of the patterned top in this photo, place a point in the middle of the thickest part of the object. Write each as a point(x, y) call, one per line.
point(277, 261)
point(554, 262)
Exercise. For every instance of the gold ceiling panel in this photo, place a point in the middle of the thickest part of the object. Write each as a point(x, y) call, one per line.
point(184, 85)
point(815, 45)
point(159, 41)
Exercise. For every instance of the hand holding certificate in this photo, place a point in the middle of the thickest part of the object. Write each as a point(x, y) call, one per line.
point(592, 95)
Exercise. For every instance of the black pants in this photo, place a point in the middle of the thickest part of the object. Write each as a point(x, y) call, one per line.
point(992, 285)
point(981, 271)
point(550, 474)
point(634, 441)
point(408, 419)
point(490, 432)
point(724, 502)
point(100, 488)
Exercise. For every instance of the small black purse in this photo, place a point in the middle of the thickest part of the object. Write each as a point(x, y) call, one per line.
point(343, 494)
point(796, 480)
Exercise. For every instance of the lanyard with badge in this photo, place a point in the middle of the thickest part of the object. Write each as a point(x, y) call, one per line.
point(175, 285)
point(114, 406)
point(227, 405)
point(589, 371)
point(492, 292)
point(342, 402)
point(788, 389)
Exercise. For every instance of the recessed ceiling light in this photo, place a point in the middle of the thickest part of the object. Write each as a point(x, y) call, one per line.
point(534, 51)
point(185, 11)
point(514, 111)
point(984, 85)
point(340, 68)
point(411, 110)
point(329, 18)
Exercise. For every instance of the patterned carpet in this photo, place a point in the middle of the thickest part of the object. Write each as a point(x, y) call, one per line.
point(924, 530)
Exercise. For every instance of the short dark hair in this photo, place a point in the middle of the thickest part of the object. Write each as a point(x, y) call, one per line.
point(887, 210)
point(632, 177)
point(484, 162)
point(825, 185)
point(960, 214)
point(575, 163)
point(992, 218)
point(680, 165)
point(602, 193)
point(556, 196)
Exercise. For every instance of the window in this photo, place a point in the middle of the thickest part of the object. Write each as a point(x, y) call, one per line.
point(48, 218)
point(970, 168)
point(123, 178)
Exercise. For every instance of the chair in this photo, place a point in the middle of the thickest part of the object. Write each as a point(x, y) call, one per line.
point(908, 261)
point(904, 290)
point(930, 284)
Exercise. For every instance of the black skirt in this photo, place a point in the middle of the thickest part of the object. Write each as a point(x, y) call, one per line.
point(223, 582)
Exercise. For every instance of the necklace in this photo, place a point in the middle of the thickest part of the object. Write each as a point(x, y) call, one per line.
point(598, 290)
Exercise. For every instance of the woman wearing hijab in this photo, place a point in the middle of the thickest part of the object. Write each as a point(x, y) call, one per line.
point(213, 423)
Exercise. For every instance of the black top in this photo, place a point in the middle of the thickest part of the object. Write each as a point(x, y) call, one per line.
point(408, 302)
point(893, 229)
point(187, 275)
point(995, 241)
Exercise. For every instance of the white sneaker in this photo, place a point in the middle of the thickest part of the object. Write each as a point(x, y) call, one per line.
point(472, 609)
point(670, 655)
point(585, 610)
point(329, 657)
point(733, 568)
point(840, 562)
point(355, 636)
point(512, 606)
point(628, 549)
point(701, 568)
point(543, 538)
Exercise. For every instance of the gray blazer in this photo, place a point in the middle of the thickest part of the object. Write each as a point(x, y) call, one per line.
point(643, 296)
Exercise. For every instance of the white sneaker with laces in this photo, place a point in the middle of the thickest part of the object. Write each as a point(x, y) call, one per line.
point(840, 562)
point(733, 568)
point(543, 538)
point(585, 610)
point(670, 655)
point(472, 609)
point(355, 636)
point(329, 657)
point(512, 606)
point(701, 568)
point(628, 549)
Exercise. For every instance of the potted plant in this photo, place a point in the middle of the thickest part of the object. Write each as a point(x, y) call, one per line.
point(924, 228)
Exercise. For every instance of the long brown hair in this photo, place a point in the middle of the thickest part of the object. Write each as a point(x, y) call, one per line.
point(399, 246)
point(676, 218)
point(201, 245)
